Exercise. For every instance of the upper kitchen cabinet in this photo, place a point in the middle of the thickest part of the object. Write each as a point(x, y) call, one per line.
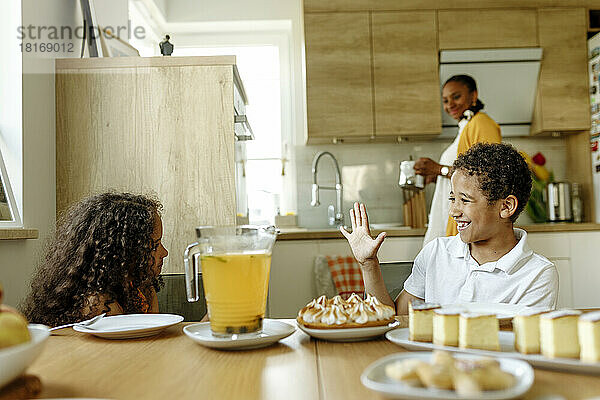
point(338, 76)
point(486, 29)
point(562, 102)
point(406, 78)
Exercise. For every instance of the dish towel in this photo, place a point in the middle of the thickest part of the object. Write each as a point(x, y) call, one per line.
point(346, 275)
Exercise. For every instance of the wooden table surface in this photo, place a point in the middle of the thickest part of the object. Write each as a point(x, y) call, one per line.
point(171, 366)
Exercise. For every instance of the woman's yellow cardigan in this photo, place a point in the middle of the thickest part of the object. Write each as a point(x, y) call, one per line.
point(481, 128)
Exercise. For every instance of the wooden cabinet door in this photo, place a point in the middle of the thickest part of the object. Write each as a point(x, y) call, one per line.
point(338, 75)
point(165, 131)
point(185, 149)
point(562, 102)
point(484, 29)
point(406, 77)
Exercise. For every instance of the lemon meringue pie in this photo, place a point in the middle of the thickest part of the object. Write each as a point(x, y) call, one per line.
point(324, 313)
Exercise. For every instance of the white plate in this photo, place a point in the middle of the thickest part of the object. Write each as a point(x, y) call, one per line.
point(507, 349)
point(130, 326)
point(349, 334)
point(14, 360)
point(503, 311)
point(374, 378)
point(272, 332)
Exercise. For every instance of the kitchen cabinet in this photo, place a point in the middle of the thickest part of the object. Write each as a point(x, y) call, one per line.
point(406, 78)
point(575, 256)
point(338, 76)
point(487, 29)
point(562, 102)
point(161, 126)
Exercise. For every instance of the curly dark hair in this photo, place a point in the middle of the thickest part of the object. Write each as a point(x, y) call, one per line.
point(102, 246)
point(501, 171)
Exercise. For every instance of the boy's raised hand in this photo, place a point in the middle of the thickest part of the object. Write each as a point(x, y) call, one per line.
point(363, 246)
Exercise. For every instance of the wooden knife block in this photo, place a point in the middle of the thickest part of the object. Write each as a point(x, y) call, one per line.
point(414, 208)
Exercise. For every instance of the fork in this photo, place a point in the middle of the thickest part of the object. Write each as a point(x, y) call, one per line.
point(82, 323)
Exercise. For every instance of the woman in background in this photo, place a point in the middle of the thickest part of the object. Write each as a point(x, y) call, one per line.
point(106, 256)
point(459, 96)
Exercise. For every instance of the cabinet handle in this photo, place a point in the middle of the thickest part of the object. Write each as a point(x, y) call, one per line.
point(242, 119)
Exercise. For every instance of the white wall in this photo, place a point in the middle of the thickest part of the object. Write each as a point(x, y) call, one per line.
point(112, 13)
point(18, 258)
point(36, 150)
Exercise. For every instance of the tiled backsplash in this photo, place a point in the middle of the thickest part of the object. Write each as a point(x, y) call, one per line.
point(370, 174)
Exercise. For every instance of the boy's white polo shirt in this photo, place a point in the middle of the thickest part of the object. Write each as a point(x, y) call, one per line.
point(444, 272)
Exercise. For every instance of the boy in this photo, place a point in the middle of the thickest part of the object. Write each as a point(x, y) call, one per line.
point(489, 260)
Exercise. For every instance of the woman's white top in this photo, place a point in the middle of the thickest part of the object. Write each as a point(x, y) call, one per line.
point(438, 215)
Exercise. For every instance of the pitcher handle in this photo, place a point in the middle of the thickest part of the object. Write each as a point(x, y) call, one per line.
point(191, 271)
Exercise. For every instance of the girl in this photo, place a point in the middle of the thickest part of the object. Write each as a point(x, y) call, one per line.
point(106, 257)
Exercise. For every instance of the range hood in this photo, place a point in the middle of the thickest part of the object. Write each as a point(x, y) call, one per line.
point(506, 84)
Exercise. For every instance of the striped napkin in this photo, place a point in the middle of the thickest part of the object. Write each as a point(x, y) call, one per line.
point(346, 275)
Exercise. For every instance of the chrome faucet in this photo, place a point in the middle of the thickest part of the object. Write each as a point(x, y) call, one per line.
point(335, 214)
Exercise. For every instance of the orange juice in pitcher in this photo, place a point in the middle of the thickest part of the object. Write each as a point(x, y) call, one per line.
point(235, 263)
point(235, 287)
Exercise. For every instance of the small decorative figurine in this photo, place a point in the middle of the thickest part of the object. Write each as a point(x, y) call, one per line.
point(166, 47)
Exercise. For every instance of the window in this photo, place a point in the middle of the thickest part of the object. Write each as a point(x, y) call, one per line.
point(11, 124)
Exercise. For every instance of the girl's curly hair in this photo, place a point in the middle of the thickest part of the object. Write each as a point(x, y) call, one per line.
point(501, 171)
point(102, 246)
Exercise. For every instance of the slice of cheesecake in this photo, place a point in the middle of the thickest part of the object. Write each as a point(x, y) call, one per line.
point(445, 327)
point(558, 334)
point(478, 331)
point(526, 326)
point(588, 328)
point(420, 320)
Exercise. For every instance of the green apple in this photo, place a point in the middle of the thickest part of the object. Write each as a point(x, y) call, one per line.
point(13, 327)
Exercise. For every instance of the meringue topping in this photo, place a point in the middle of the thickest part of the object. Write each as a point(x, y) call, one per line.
point(337, 311)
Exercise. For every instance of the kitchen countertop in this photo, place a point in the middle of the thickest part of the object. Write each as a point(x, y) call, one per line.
point(404, 231)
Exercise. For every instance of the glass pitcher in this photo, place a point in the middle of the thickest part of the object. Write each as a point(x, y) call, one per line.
point(235, 262)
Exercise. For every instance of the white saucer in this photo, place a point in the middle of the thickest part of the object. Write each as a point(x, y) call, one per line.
point(349, 334)
point(272, 332)
point(375, 378)
point(130, 326)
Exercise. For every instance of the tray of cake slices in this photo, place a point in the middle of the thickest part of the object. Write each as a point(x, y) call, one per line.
point(566, 340)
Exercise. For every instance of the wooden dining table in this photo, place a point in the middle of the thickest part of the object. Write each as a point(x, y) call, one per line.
point(172, 366)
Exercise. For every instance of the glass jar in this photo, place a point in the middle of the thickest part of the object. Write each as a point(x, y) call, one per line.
point(577, 204)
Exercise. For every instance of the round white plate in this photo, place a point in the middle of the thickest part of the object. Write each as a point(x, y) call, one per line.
point(130, 326)
point(503, 311)
point(349, 334)
point(374, 378)
point(14, 360)
point(272, 332)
